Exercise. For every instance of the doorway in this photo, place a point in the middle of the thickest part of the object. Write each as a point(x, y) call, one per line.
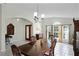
point(60, 32)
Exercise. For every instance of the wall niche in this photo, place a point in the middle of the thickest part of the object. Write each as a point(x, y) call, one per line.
point(10, 29)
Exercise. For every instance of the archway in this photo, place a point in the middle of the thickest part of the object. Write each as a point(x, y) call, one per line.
point(18, 33)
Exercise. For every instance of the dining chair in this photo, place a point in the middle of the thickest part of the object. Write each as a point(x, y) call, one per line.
point(15, 50)
point(53, 47)
point(50, 51)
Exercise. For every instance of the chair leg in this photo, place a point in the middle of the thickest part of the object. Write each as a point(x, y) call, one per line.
point(53, 52)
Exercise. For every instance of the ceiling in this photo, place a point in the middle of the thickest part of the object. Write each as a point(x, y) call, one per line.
point(49, 9)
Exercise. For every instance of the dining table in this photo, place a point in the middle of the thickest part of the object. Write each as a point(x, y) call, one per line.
point(35, 48)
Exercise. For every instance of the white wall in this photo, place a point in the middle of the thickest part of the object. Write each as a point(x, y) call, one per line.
point(0, 23)
point(51, 21)
point(19, 28)
point(3, 28)
point(8, 13)
point(37, 28)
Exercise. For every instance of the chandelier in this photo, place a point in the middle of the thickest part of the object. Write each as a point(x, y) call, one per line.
point(36, 15)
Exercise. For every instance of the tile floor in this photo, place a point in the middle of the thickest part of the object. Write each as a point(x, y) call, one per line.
point(64, 49)
point(61, 49)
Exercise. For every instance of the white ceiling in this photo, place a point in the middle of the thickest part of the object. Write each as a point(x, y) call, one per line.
point(49, 9)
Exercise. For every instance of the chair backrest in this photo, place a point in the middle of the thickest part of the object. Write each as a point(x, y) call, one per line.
point(15, 50)
point(55, 40)
point(53, 44)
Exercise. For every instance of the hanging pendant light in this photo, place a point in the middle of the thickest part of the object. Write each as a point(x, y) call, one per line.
point(36, 15)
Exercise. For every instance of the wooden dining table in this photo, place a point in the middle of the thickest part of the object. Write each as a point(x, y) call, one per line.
point(33, 48)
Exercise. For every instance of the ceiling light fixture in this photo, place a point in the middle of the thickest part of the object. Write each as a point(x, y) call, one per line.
point(17, 19)
point(36, 16)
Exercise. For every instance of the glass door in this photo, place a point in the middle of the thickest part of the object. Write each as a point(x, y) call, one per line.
point(60, 32)
point(65, 33)
point(57, 33)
